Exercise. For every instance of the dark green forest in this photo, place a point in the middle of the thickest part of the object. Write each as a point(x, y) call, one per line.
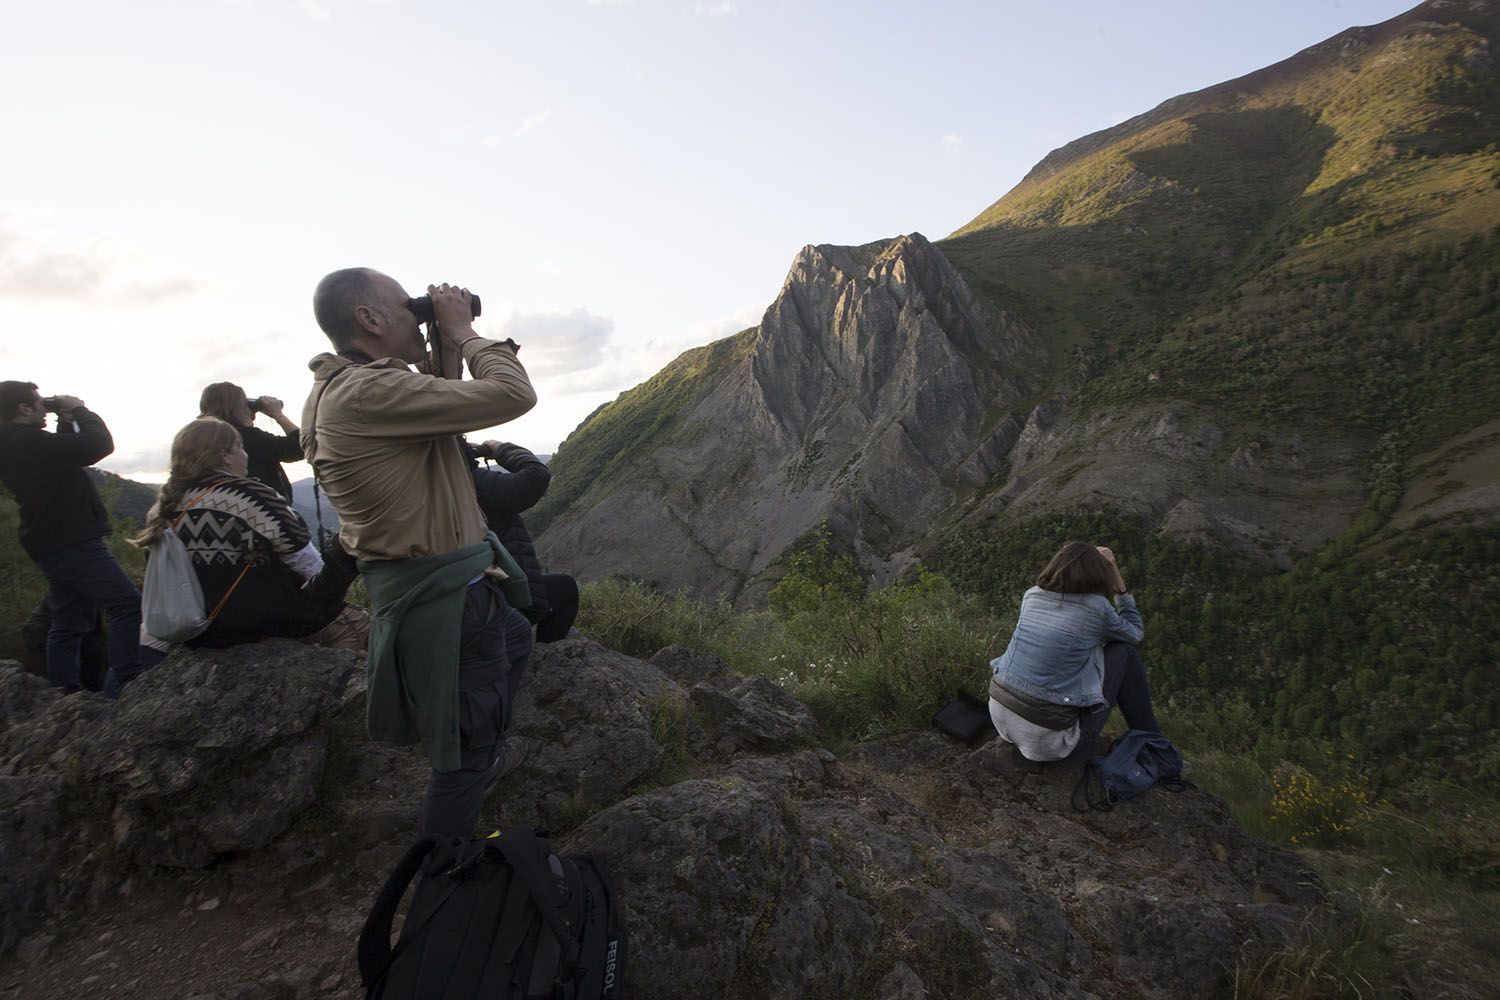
point(1386, 663)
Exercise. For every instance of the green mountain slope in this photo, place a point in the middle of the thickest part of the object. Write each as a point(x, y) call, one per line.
point(1311, 239)
point(1312, 249)
point(615, 436)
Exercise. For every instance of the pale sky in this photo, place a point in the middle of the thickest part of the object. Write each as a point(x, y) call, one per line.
point(619, 179)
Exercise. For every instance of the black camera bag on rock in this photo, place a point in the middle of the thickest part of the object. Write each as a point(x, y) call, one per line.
point(503, 917)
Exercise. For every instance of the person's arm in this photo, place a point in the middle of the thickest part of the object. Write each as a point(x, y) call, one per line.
point(72, 447)
point(1122, 623)
point(502, 494)
point(273, 519)
point(399, 403)
point(524, 482)
point(288, 447)
point(261, 445)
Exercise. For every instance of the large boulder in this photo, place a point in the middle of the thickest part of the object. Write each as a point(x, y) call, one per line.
point(210, 753)
point(30, 831)
point(748, 861)
point(217, 751)
point(913, 867)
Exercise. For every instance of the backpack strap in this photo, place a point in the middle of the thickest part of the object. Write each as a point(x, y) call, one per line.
point(530, 861)
point(519, 922)
point(1084, 791)
point(189, 505)
point(375, 955)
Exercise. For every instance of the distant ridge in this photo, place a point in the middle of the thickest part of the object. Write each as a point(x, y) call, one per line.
point(126, 499)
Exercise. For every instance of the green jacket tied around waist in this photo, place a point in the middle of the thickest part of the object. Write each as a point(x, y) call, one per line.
point(412, 671)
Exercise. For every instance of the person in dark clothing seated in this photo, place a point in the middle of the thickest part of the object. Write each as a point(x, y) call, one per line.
point(253, 553)
point(502, 497)
point(63, 528)
point(266, 452)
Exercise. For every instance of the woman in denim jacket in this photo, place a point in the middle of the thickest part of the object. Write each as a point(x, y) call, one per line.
point(1071, 659)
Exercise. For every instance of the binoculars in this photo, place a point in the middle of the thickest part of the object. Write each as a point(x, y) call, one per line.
point(421, 307)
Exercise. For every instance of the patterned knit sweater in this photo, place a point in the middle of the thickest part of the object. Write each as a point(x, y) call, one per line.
point(243, 530)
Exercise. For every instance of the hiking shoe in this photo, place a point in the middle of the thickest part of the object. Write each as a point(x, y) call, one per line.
point(515, 751)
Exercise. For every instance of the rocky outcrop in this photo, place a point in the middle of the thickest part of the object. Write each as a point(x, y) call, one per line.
point(749, 860)
point(209, 754)
point(872, 379)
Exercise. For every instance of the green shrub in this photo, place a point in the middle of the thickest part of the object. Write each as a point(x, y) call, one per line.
point(638, 619)
point(1313, 812)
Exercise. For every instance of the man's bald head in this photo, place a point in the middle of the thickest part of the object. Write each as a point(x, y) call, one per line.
point(337, 296)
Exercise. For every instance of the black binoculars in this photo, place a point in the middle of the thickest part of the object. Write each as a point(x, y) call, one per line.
point(421, 307)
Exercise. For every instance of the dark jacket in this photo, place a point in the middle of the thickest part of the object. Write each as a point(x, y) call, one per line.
point(502, 497)
point(59, 505)
point(266, 453)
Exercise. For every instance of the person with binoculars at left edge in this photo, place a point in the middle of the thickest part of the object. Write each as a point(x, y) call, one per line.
point(63, 528)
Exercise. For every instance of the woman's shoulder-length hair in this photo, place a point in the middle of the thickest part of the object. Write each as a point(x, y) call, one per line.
point(1078, 568)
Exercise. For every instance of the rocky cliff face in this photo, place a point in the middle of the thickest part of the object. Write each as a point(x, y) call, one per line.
point(882, 399)
point(865, 405)
point(221, 831)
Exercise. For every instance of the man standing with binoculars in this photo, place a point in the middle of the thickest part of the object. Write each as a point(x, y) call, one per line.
point(446, 647)
point(63, 527)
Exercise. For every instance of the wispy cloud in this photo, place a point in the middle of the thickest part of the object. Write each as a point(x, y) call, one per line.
point(101, 271)
point(610, 3)
point(531, 122)
point(575, 352)
point(708, 331)
point(953, 145)
point(203, 359)
point(315, 9)
point(147, 461)
point(571, 352)
point(723, 9)
point(553, 266)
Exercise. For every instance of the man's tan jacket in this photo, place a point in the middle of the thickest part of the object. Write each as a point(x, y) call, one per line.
point(381, 438)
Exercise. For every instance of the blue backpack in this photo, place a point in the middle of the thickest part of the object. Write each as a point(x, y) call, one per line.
point(1135, 762)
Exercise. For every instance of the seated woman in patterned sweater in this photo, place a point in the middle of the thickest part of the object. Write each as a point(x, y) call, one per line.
point(253, 553)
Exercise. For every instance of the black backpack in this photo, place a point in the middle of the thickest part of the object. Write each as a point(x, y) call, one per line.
point(502, 917)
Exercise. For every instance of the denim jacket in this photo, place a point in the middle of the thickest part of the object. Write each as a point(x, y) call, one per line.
point(1056, 653)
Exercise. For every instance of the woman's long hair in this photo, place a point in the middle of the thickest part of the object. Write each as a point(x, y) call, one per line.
point(1078, 568)
point(197, 451)
point(220, 400)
